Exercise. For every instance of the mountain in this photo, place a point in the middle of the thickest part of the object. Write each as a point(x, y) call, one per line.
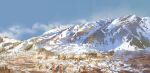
point(120, 45)
point(124, 33)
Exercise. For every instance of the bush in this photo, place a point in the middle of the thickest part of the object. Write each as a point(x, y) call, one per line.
point(2, 49)
point(1, 39)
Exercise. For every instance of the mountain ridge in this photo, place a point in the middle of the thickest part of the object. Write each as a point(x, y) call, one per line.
point(123, 33)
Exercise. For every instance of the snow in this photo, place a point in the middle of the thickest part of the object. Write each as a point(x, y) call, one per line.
point(65, 34)
point(126, 46)
point(146, 26)
point(70, 49)
point(58, 39)
point(132, 18)
point(8, 40)
point(117, 37)
point(110, 28)
point(113, 24)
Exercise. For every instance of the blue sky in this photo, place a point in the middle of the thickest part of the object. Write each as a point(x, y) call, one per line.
point(22, 19)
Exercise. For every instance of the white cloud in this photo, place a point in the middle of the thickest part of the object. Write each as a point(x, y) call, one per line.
point(40, 26)
point(17, 31)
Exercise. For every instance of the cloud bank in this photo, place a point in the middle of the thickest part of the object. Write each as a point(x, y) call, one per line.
point(22, 33)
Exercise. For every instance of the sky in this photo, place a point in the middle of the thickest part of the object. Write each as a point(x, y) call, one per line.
point(23, 19)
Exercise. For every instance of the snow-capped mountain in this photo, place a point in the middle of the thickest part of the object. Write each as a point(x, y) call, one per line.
point(123, 33)
point(120, 45)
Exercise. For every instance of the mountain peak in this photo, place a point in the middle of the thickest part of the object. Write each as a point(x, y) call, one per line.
point(130, 18)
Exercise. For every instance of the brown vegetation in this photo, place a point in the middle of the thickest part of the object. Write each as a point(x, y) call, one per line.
point(28, 47)
point(4, 69)
point(2, 49)
point(43, 53)
point(1, 39)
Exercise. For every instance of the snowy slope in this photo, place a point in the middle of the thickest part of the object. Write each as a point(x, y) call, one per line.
point(123, 33)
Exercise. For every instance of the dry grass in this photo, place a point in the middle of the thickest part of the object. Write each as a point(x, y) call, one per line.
point(4, 69)
point(33, 64)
